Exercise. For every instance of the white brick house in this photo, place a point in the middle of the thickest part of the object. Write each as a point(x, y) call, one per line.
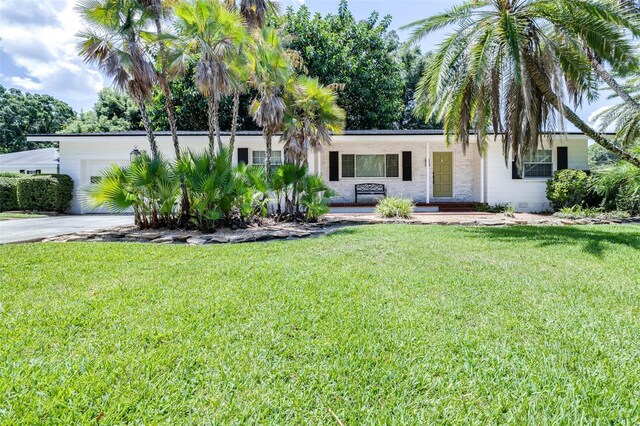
point(416, 164)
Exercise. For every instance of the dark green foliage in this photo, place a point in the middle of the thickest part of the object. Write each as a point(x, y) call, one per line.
point(599, 156)
point(191, 107)
point(568, 188)
point(619, 185)
point(47, 193)
point(8, 194)
point(113, 112)
point(25, 113)
point(359, 54)
point(413, 65)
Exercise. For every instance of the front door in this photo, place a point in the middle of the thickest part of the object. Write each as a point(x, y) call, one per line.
point(442, 174)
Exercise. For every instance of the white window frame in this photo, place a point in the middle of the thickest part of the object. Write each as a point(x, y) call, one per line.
point(355, 168)
point(533, 163)
point(278, 160)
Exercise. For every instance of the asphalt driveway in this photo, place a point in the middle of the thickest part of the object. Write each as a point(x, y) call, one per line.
point(23, 230)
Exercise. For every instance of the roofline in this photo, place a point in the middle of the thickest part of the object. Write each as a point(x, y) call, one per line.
point(420, 132)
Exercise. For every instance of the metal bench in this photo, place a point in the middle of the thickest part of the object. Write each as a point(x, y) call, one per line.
point(370, 189)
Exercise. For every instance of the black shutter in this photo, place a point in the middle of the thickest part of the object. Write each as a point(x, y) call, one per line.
point(563, 158)
point(407, 174)
point(514, 171)
point(334, 158)
point(243, 155)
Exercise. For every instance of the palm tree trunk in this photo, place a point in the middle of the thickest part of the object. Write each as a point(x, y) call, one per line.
point(545, 87)
point(216, 120)
point(613, 84)
point(147, 127)
point(212, 123)
point(234, 120)
point(267, 161)
point(171, 115)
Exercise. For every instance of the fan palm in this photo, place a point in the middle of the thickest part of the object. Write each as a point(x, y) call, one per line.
point(159, 9)
point(311, 116)
point(114, 40)
point(271, 69)
point(212, 34)
point(503, 64)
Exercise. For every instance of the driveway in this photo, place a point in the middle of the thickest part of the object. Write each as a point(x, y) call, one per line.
point(23, 230)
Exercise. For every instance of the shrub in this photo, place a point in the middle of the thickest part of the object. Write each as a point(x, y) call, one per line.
point(496, 208)
point(10, 175)
point(297, 195)
point(47, 193)
point(568, 188)
point(619, 185)
point(8, 194)
point(395, 207)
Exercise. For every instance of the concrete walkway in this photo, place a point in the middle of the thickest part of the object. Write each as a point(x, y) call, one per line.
point(24, 230)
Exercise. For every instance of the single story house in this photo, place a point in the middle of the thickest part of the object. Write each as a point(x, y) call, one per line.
point(33, 162)
point(416, 164)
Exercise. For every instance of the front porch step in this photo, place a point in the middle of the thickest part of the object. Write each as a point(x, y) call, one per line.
point(371, 209)
point(447, 207)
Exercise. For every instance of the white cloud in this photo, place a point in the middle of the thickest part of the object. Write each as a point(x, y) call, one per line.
point(42, 46)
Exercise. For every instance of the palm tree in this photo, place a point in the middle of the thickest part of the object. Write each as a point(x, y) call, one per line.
point(503, 64)
point(624, 117)
point(160, 9)
point(112, 40)
point(271, 70)
point(254, 13)
point(212, 33)
point(311, 116)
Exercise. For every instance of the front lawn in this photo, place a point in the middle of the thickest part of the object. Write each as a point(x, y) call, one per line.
point(20, 215)
point(382, 324)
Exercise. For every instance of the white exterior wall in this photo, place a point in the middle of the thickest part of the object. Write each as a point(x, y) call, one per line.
point(528, 194)
point(474, 178)
point(44, 169)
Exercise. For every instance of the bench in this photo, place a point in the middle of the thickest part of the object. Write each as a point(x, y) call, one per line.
point(370, 189)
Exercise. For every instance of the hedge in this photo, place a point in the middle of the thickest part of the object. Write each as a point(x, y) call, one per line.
point(8, 194)
point(47, 193)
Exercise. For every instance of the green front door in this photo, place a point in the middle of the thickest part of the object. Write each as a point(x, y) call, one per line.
point(442, 174)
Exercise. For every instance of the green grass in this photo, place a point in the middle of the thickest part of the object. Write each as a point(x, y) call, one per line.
point(19, 215)
point(381, 325)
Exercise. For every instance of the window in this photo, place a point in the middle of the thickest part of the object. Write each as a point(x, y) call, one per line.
point(31, 172)
point(539, 164)
point(377, 165)
point(259, 157)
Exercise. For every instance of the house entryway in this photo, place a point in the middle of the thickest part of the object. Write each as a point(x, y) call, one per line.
point(442, 174)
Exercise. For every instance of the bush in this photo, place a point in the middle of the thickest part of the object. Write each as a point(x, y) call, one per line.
point(46, 193)
point(8, 194)
point(568, 188)
point(619, 185)
point(395, 207)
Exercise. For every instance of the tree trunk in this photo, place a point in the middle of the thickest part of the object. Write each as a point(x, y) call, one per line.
point(171, 116)
point(147, 127)
point(211, 111)
point(267, 161)
point(216, 120)
point(613, 84)
point(545, 87)
point(234, 121)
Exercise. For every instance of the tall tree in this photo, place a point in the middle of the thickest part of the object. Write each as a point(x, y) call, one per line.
point(25, 113)
point(113, 112)
point(271, 70)
point(362, 55)
point(312, 115)
point(211, 35)
point(114, 40)
point(502, 66)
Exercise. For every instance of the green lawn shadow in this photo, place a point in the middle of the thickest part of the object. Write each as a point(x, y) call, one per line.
point(592, 241)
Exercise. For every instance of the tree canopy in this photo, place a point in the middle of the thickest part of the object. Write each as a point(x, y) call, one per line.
point(113, 112)
point(25, 113)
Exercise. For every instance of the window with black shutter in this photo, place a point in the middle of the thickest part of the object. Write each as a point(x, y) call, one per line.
point(563, 158)
point(334, 173)
point(407, 173)
point(243, 155)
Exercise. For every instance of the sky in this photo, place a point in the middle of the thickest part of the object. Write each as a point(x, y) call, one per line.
point(38, 44)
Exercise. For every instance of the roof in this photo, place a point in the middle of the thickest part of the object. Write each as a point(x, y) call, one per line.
point(35, 157)
point(420, 132)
